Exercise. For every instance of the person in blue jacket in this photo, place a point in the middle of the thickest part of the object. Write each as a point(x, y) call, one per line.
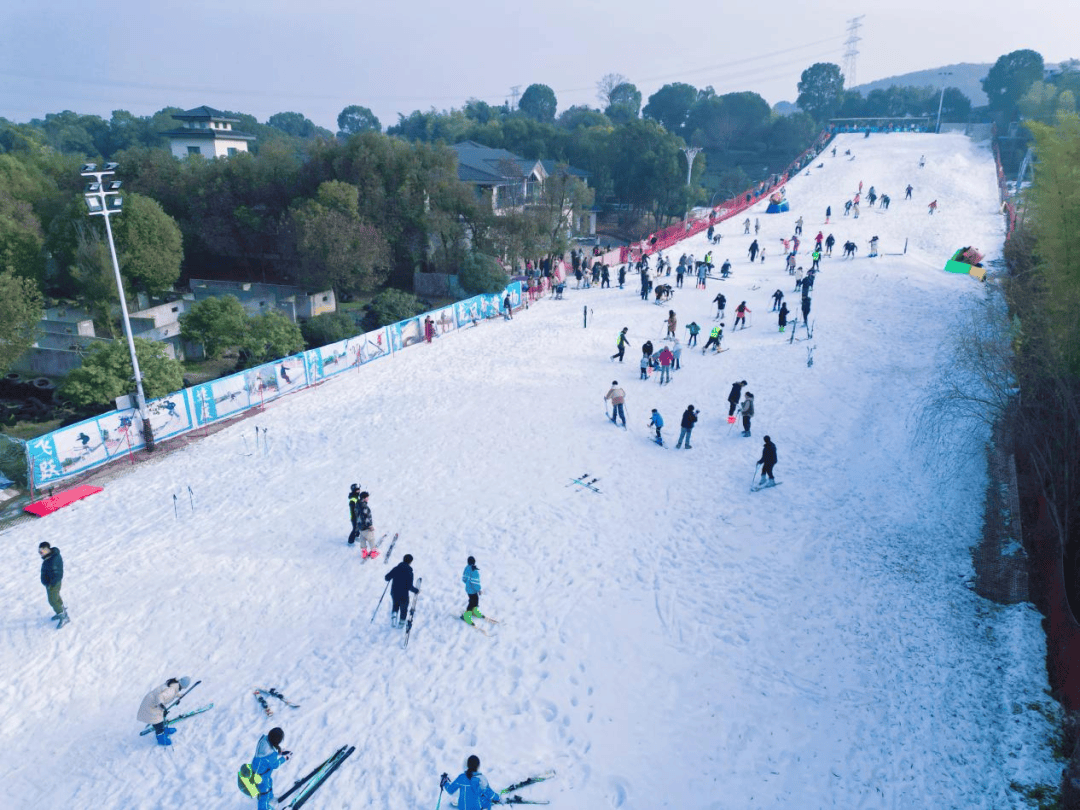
point(657, 421)
point(471, 578)
point(268, 756)
point(476, 793)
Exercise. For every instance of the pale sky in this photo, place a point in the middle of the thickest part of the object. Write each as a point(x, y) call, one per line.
point(317, 57)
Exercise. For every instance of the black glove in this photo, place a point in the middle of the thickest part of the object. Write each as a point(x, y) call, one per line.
point(444, 780)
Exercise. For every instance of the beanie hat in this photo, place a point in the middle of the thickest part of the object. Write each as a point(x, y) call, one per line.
point(184, 682)
point(407, 558)
point(275, 736)
point(614, 382)
point(363, 495)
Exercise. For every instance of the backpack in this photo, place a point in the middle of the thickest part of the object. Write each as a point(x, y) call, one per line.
point(249, 781)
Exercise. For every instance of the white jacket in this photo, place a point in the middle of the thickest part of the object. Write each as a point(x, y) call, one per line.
point(150, 709)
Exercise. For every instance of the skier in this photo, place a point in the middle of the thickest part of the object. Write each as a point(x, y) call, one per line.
point(647, 348)
point(715, 335)
point(354, 508)
point(680, 271)
point(885, 202)
point(689, 417)
point(622, 275)
point(806, 306)
point(155, 707)
point(676, 350)
point(932, 207)
point(667, 360)
point(816, 256)
point(620, 344)
point(471, 578)
point(855, 210)
point(783, 316)
point(767, 462)
point(617, 397)
point(52, 575)
point(746, 226)
point(873, 248)
point(268, 757)
point(605, 276)
point(671, 324)
point(657, 421)
point(646, 284)
point(366, 528)
point(733, 399)
point(740, 315)
point(829, 242)
point(798, 278)
point(702, 272)
point(791, 264)
point(725, 269)
point(721, 303)
point(401, 583)
point(763, 255)
point(798, 226)
point(828, 211)
point(645, 364)
point(757, 226)
point(922, 161)
point(694, 329)
point(747, 411)
point(753, 250)
point(476, 793)
point(908, 190)
point(777, 297)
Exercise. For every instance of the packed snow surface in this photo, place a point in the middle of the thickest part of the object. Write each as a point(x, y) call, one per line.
point(671, 641)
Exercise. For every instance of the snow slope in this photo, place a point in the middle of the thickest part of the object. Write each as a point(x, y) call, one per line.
point(674, 641)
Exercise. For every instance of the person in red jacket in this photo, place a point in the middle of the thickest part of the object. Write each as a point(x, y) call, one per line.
point(740, 315)
point(667, 360)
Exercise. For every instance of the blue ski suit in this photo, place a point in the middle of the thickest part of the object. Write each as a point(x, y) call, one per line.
point(267, 758)
point(476, 793)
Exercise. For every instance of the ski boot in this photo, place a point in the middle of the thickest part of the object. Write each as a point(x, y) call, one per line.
point(170, 730)
point(364, 553)
point(467, 617)
point(476, 613)
point(163, 739)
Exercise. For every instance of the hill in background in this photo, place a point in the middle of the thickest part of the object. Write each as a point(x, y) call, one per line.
point(966, 76)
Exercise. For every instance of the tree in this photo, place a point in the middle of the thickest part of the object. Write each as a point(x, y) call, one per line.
point(670, 105)
point(354, 119)
point(21, 239)
point(330, 327)
point(21, 307)
point(625, 103)
point(481, 274)
point(821, 90)
point(217, 324)
point(391, 306)
point(106, 373)
point(335, 246)
point(269, 337)
point(563, 198)
point(955, 106)
point(1010, 78)
point(608, 82)
point(1039, 102)
point(578, 116)
point(148, 245)
point(293, 123)
point(539, 103)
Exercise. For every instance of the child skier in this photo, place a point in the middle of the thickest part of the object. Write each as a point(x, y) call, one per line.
point(365, 527)
point(694, 329)
point(268, 757)
point(471, 577)
point(476, 793)
point(657, 421)
point(747, 412)
point(740, 315)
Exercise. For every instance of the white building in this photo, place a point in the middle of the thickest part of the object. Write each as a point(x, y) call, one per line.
point(207, 132)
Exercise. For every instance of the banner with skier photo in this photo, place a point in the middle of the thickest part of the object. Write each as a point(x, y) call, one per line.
point(220, 398)
point(169, 416)
point(270, 381)
point(70, 450)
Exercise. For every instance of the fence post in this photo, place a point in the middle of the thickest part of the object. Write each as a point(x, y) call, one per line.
point(585, 316)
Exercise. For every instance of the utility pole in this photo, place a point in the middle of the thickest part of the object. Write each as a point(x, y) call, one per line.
point(514, 93)
point(691, 152)
point(852, 50)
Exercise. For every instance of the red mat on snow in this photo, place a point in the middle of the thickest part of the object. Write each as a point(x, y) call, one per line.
point(61, 499)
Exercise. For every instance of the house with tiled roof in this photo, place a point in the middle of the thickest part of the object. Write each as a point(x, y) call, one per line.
point(513, 181)
point(207, 132)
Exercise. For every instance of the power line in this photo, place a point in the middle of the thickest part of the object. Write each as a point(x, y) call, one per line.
point(852, 51)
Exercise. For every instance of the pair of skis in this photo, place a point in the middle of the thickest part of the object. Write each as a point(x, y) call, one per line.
point(307, 785)
point(261, 694)
point(487, 619)
point(175, 702)
point(365, 554)
point(412, 615)
point(531, 780)
point(583, 480)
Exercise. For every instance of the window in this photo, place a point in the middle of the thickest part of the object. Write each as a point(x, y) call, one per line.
point(176, 309)
point(325, 298)
point(232, 150)
point(194, 150)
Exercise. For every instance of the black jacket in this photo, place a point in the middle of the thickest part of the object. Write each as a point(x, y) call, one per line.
point(688, 418)
point(400, 579)
point(736, 392)
point(52, 568)
point(768, 454)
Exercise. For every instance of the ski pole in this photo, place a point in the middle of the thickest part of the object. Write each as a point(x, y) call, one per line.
point(754, 477)
point(191, 498)
point(439, 802)
point(176, 513)
point(373, 615)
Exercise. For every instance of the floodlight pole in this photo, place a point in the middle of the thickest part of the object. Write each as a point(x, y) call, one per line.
point(99, 197)
point(941, 101)
point(691, 152)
